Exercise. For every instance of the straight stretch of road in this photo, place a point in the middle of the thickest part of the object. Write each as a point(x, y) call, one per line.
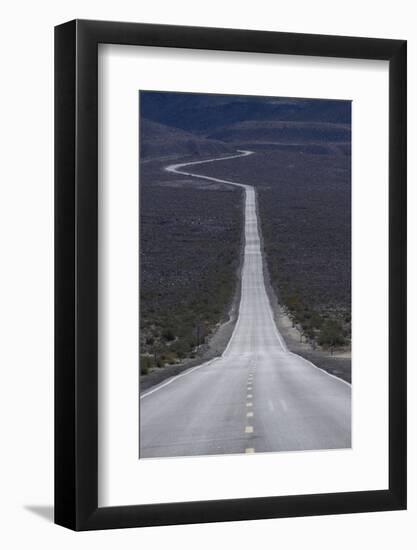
point(257, 396)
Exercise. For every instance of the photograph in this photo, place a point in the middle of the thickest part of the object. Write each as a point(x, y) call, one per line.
point(245, 274)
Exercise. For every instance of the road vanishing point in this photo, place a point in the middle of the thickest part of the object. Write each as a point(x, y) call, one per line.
point(257, 396)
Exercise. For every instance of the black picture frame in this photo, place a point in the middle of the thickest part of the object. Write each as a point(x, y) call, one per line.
point(76, 272)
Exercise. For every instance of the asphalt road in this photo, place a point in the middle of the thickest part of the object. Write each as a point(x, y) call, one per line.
point(256, 397)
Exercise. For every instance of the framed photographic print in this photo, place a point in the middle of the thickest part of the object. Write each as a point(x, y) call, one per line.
point(230, 334)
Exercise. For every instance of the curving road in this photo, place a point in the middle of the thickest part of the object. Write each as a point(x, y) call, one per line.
point(256, 397)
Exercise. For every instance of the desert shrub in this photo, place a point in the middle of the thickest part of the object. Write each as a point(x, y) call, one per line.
point(180, 347)
point(168, 334)
point(316, 320)
point(331, 335)
point(145, 364)
point(293, 302)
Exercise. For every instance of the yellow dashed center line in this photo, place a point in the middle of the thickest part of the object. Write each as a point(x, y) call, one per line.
point(249, 414)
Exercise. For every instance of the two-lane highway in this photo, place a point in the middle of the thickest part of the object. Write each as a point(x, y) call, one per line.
point(257, 396)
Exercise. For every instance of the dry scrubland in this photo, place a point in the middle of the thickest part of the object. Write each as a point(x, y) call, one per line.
point(190, 237)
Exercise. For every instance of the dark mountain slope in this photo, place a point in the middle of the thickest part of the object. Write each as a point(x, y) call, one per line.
point(328, 136)
point(203, 113)
point(160, 141)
